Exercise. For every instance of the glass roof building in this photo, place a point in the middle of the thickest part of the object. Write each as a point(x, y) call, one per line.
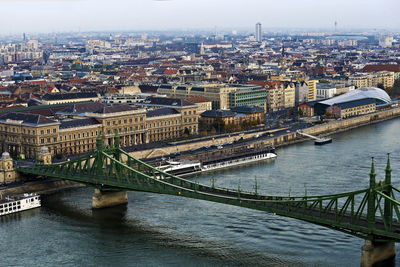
point(378, 95)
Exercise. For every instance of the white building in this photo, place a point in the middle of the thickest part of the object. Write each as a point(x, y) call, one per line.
point(325, 91)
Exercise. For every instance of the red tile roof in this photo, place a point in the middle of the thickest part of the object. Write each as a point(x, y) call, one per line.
point(394, 68)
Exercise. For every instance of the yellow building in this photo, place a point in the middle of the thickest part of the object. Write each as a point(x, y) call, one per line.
point(25, 133)
point(280, 95)
point(384, 78)
point(312, 89)
point(217, 93)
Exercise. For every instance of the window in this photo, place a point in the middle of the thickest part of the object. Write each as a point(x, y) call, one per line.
point(48, 131)
point(41, 132)
point(54, 130)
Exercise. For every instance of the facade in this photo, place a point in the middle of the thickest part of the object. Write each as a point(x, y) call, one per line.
point(325, 91)
point(222, 96)
point(379, 96)
point(312, 90)
point(233, 118)
point(307, 109)
point(301, 92)
point(217, 93)
point(248, 95)
point(384, 78)
point(202, 102)
point(25, 133)
point(51, 99)
point(280, 95)
point(351, 108)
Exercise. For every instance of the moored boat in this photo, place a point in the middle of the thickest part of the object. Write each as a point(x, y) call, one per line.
point(191, 167)
point(19, 203)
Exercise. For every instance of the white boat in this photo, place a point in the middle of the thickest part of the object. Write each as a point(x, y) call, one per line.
point(19, 203)
point(181, 168)
point(236, 161)
point(190, 167)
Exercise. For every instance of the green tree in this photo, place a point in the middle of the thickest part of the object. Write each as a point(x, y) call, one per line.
point(186, 132)
point(219, 125)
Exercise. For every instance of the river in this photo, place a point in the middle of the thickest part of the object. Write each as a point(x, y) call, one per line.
point(158, 230)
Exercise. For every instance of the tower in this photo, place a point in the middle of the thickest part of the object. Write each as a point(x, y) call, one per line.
point(202, 49)
point(335, 26)
point(258, 32)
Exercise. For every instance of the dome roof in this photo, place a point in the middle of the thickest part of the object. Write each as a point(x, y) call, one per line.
point(44, 150)
point(361, 93)
point(5, 155)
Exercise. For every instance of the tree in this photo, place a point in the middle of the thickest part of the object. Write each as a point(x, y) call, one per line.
point(395, 90)
point(219, 124)
point(186, 132)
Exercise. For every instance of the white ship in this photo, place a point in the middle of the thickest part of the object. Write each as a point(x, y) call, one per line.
point(190, 167)
point(235, 161)
point(19, 203)
point(181, 168)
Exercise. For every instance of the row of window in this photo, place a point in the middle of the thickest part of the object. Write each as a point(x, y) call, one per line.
point(125, 121)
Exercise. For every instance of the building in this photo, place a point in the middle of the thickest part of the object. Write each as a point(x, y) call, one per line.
point(312, 90)
point(280, 95)
point(51, 99)
point(307, 109)
point(325, 90)
point(248, 95)
point(76, 133)
point(187, 111)
point(258, 32)
point(351, 108)
point(301, 92)
point(234, 119)
point(222, 96)
point(202, 102)
point(380, 78)
point(379, 96)
point(389, 67)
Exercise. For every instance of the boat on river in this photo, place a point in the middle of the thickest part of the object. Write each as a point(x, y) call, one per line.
point(19, 203)
point(191, 167)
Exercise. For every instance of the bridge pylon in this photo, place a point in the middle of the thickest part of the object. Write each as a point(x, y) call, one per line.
point(103, 198)
point(376, 253)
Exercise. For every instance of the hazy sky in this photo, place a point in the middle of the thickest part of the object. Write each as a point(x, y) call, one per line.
point(86, 15)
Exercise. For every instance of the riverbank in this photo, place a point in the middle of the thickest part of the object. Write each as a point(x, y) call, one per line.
point(43, 187)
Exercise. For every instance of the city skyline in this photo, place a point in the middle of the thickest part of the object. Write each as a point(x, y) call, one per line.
point(89, 15)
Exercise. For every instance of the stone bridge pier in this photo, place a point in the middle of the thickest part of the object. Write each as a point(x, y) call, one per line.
point(104, 199)
point(378, 254)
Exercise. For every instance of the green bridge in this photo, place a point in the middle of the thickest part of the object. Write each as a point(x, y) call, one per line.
point(372, 214)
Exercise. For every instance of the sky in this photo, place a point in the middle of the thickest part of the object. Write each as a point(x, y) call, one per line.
point(32, 16)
